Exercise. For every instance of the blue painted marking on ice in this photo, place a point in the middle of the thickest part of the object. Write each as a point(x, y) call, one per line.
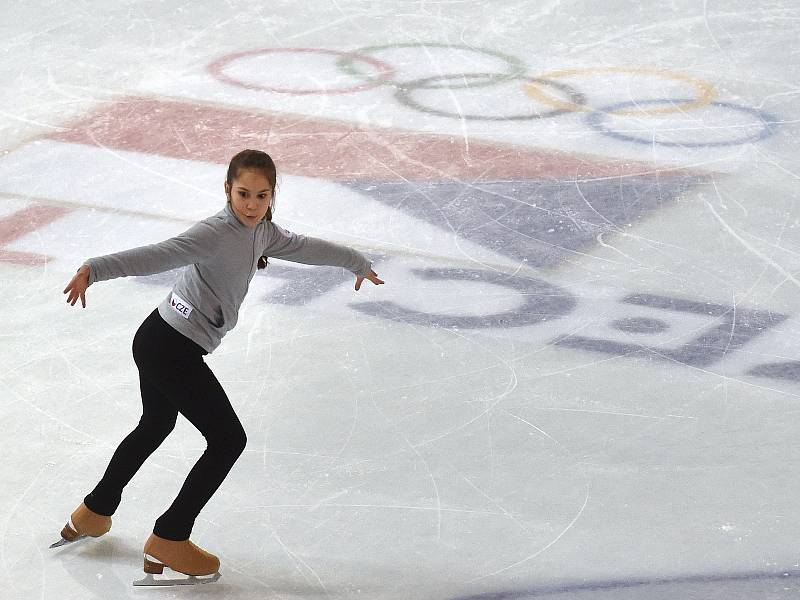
point(640, 325)
point(543, 302)
point(788, 370)
point(541, 222)
point(686, 585)
point(735, 328)
point(596, 120)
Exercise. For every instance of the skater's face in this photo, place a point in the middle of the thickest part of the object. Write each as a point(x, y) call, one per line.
point(250, 195)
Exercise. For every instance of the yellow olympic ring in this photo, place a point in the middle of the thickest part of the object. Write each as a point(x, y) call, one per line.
point(706, 91)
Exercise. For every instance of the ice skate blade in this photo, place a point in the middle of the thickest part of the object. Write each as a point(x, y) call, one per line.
point(63, 542)
point(150, 580)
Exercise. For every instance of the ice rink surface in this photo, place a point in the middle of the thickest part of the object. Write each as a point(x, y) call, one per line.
point(581, 377)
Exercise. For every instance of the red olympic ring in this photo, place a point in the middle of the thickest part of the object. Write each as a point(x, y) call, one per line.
point(385, 72)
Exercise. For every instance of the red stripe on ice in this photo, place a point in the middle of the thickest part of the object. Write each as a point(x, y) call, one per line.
point(334, 150)
point(24, 222)
point(23, 258)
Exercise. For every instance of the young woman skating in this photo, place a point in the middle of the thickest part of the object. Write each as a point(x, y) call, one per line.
point(220, 255)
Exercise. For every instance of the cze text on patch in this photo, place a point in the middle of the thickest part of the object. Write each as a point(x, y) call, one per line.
point(180, 306)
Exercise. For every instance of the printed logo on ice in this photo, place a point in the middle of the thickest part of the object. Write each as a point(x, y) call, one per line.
point(180, 306)
point(539, 207)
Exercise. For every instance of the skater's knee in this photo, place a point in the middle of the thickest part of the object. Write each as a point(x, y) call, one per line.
point(157, 428)
point(240, 442)
point(236, 442)
point(232, 442)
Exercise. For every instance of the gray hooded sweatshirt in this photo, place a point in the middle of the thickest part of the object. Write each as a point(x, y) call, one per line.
point(220, 256)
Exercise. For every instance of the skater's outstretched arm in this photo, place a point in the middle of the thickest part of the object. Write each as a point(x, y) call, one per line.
point(313, 251)
point(192, 246)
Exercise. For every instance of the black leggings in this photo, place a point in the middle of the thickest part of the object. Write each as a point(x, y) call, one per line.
point(174, 379)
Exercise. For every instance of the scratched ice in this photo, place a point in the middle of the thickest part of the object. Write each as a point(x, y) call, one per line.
point(581, 377)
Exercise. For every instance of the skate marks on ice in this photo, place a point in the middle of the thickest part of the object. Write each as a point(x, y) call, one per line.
point(103, 568)
point(649, 324)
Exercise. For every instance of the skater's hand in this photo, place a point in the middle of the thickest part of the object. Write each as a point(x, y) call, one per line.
point(77, 287)
point(372, 276)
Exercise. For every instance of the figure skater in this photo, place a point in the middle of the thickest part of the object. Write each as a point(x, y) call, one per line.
point(220, 255)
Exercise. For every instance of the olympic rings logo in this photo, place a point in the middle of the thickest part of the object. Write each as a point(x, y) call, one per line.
point(363, 70)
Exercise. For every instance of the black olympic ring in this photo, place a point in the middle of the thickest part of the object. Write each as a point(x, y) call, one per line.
point(516, 68)
point(403, 95)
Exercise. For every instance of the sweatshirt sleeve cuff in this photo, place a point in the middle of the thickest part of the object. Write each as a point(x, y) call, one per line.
point(363, 272)
point(92, 277)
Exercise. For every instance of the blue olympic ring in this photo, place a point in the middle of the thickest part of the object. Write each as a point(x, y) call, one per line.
point(769, 121)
